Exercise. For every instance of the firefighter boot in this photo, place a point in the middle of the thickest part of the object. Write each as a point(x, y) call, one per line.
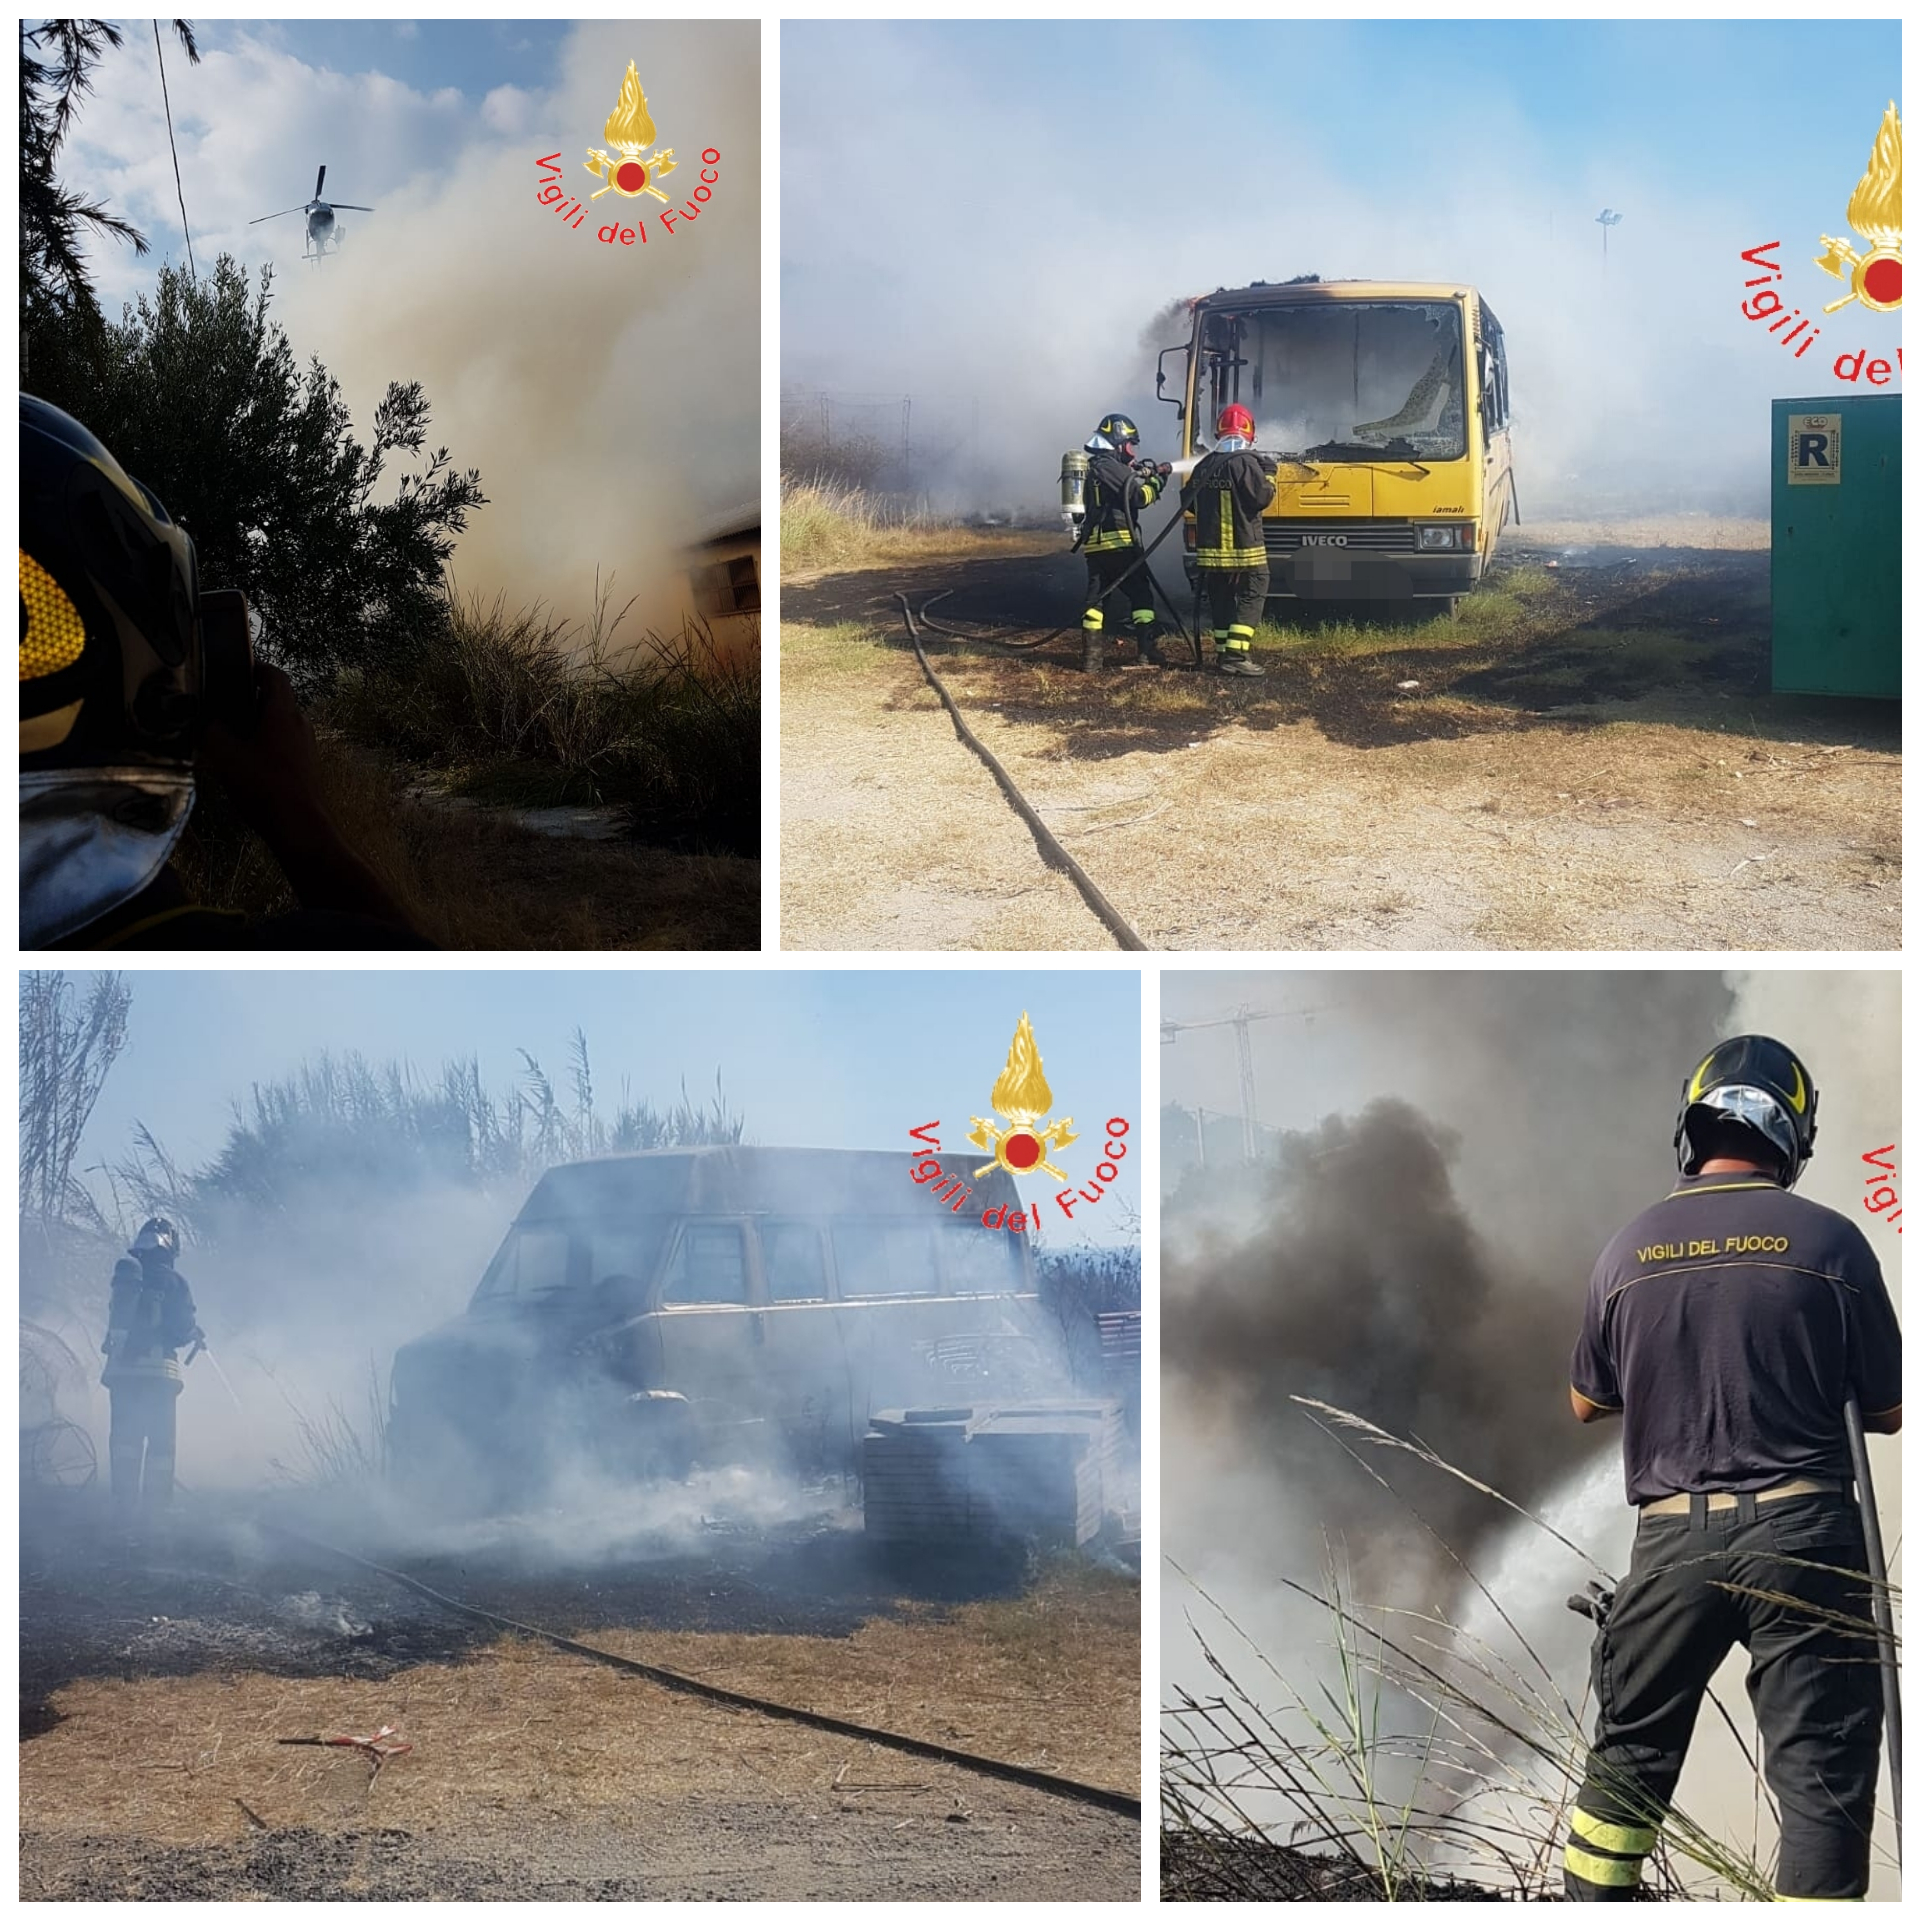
point(1234, 650)
point(1146, 636)
point(1092, 654)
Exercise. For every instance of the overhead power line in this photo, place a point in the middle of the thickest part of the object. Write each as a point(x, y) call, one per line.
point(177, 187)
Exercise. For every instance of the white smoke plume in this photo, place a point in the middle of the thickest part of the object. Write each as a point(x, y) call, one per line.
point(1024, 265)
point(609, 394)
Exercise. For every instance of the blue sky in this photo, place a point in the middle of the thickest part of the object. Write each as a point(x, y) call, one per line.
point(473, 55)
point(1085, 179)
point(824, 1058)
point(1557, 105)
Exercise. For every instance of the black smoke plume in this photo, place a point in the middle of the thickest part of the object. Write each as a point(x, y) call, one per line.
point(1421, 1263)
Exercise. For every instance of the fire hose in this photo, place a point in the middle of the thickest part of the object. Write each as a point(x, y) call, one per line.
point(1051, 851)
point(1882, 1602)
point(1047, 639)
point(1053, 1783)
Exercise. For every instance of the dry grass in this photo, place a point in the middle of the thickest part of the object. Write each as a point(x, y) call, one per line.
point(893, 836)
point(829, 527)
point(1450, 816)
point(525, 1732)
point(525, 708)
point(1710, 532)
point(471, 880)
point(1050, 1680)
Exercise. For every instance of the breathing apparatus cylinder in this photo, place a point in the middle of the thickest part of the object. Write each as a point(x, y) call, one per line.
point(1073, 489)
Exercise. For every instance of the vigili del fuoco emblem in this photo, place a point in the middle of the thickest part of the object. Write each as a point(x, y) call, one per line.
point(1021, 1097)
point(629, 131)
point(1873, 212)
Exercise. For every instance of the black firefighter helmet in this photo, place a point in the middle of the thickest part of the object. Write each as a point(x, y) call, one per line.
point(123, 660)
point(158, 1237)
point(1753, 1082)
point(1119, 432)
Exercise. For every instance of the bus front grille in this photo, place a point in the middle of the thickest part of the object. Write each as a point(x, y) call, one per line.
point(1338, 536)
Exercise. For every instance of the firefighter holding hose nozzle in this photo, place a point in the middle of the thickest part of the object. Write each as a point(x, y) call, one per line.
point(1227, 493)
point(1734, 1327)
point(1118, 489)
point(150, 1317)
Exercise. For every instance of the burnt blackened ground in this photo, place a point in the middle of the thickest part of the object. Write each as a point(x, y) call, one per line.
point(1556, 636)
point(204, 1595)
point(226, 1587)
point(1195, 1866)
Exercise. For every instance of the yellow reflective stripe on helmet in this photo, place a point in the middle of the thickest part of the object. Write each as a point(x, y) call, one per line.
point(1615, 1838)
point(1798, 1100)
point(55, 636)
point(1599, 1872)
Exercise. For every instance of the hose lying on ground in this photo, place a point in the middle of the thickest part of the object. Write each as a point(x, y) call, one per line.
point(1051, 851)
point(1059, 633)
point(1062, 1788)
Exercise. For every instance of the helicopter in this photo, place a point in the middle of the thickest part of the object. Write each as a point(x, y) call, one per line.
point(320, 224)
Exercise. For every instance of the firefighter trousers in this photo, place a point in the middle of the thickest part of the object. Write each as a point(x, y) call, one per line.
point(1107, 592)
point(1236, 599)
point(141, 1441)
point(1784, 1579)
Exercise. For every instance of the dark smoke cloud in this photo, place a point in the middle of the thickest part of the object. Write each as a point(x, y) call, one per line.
point(1420, 1262)
point(1365, 1284)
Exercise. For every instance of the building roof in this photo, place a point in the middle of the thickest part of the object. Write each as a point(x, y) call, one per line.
point(740, 523)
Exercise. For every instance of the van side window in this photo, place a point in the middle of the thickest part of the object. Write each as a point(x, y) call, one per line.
point(980, 1260)
point(709, 1269)
point(882, 1260)
point(796, 1266)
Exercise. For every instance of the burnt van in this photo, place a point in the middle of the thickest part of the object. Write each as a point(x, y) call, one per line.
point(651, 1313)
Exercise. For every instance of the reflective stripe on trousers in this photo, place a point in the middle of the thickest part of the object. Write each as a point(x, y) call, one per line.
point(1604, 1858)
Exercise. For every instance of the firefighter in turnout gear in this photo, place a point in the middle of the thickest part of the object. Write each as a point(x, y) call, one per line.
point(1117, 490)
point(150, 1317)
point(1227, 493)
point(1728, 1326)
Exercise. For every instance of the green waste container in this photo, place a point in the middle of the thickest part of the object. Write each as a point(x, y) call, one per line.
point(1836, 546)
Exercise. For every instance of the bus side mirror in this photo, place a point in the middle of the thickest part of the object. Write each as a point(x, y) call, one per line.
point(1160, 383)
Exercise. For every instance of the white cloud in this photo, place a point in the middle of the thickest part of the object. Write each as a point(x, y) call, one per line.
point(507, 109)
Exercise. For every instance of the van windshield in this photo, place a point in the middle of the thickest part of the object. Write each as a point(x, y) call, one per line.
point(550, 1259)
point(530, 1260)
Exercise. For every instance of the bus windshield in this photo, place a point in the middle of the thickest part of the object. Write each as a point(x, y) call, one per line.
point(1353, 380)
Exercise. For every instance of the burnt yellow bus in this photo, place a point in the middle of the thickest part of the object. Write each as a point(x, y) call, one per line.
point(1386, 407)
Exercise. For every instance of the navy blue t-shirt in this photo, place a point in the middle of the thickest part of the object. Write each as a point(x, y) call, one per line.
point(1727, 1324)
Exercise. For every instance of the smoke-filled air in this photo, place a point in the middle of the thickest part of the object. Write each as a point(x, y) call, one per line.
point(1071, 191)
point(608, 393)
point(448, 1399)
point(1440, 1159)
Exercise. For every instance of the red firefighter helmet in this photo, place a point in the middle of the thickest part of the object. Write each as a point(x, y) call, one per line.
point(1234, 421)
